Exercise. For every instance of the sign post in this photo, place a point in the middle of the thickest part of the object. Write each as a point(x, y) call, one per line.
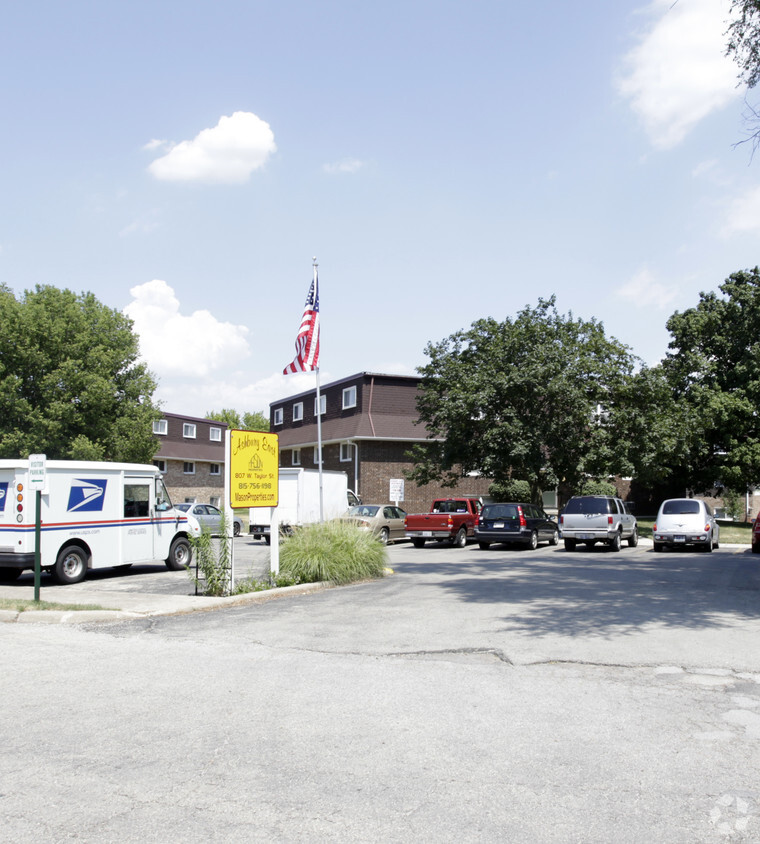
point(37, 482)
point(253, 467)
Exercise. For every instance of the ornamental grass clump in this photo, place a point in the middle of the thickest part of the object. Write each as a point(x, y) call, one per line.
point(336, 551)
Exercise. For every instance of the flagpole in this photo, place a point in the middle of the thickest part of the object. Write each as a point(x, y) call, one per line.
point(319, 419)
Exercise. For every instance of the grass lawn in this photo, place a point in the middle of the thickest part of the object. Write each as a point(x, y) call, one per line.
point(22, 604)
point(731, 533)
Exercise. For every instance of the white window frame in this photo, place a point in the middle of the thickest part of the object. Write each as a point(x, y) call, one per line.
point(187, 463)
point(346, 452)
point(349, 397)
point(298, 411)
point(189, 430)
point(277, 416)
point(295, 457)
point(323, 403)
point(215, 434)
point(217, 466)
point(160, 427)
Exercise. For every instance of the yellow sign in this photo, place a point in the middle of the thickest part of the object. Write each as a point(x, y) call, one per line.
point(254, 469)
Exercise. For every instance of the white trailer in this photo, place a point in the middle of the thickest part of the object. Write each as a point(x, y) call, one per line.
point(299, 501)
point(93, 515)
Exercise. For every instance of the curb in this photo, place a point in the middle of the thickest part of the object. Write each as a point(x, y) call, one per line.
point(89, 616)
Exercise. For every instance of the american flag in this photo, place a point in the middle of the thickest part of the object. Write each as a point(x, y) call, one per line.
point(307, 339)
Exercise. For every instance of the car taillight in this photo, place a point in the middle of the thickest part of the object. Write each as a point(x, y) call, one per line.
point(477, 520)
point(609, 520)
point(654, 526)
point(561, 519)
point(450, 521)
point(707, 528)
point(523, 523)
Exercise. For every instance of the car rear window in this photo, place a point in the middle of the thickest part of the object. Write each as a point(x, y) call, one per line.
point(499, 511)
point(591, 505)
point(680, 507)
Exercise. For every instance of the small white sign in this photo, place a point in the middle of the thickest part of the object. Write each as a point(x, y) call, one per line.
point(37, 471)
point(396, 490)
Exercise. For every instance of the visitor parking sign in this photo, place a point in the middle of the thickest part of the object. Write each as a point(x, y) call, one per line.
point(254, 469)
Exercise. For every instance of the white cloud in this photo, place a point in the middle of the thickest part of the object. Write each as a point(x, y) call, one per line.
point(228, 153)
point(643, 290)
point(172, 344)
point(346, 165)
point(679, 73)
point(743, 214)
point(145, 223)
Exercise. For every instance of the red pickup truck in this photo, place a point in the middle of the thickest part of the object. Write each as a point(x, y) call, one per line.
point(451, 519)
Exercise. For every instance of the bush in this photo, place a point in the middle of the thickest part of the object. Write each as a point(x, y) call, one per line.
point(598, 488)
point(332, 551)
point(510, 490)
point(213, 564)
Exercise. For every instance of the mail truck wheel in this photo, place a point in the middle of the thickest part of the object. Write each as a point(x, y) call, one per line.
point(180, 554)
point(71, 565)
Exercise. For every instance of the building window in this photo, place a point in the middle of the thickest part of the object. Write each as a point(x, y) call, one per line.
point(346, 452)
point(316, 455)
point(215, 435)
point(215, 469)
point(188, 468)
point(278, 416)
point(161, 466)
point(188, 430)
point(214, 500)
point(295, 457)
point(322, 405)
point(298, 411)
point(349, 397)
point(160, 427)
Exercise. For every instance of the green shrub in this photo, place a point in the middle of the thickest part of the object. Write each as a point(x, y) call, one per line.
point(510, 490)
point(591, 487)
point(213, 563)
point(332, 551)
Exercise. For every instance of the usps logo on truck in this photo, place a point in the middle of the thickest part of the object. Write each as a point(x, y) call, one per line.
point(3, 495)
point(86, 495)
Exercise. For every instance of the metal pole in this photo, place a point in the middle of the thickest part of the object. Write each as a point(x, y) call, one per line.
point(37, 537)
point(319, 419)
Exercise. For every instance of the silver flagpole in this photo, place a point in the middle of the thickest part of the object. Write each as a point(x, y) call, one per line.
point(319, 416)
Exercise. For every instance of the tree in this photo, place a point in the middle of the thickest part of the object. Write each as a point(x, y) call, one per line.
point(70, 384)
point(255, 421)
point(527, 399)
point(713, 367)
point(744, 47)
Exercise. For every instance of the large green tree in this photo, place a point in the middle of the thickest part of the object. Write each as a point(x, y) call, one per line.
point(257, 420)
point(528, 398)
point(713, 367)
point(70, 383)
point(744, 48)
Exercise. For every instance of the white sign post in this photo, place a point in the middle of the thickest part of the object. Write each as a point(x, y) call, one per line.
point(37, 482)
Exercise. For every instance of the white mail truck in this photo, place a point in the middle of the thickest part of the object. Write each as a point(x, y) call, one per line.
point(93, 515)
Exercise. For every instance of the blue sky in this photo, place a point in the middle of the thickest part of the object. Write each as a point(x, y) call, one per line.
point(444, 161)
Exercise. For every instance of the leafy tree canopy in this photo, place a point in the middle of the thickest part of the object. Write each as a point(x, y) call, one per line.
point(744, 39)
point(713, 367)
point(527, 398)
point(255, 421)
point(70, 384)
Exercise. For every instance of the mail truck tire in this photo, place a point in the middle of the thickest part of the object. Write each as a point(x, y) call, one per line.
point(180, 554)
point(71, 565)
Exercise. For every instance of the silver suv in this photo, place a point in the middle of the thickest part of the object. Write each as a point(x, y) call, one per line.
point(597, 518)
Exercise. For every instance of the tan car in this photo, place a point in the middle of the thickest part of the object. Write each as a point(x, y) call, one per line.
point(386, 521)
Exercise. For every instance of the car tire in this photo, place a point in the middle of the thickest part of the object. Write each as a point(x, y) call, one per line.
point(532, 543)
point(756, 547)
point(384, 536)
point(709, 546)
point(180, 554)
point(554, 540)
point(570, 545)
point(236, 529)
point(417, 542)
point(633, 539)
point(657, 546)
point(484, 546)
point(460, 540)
point(615, 542)
point(70, 565)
